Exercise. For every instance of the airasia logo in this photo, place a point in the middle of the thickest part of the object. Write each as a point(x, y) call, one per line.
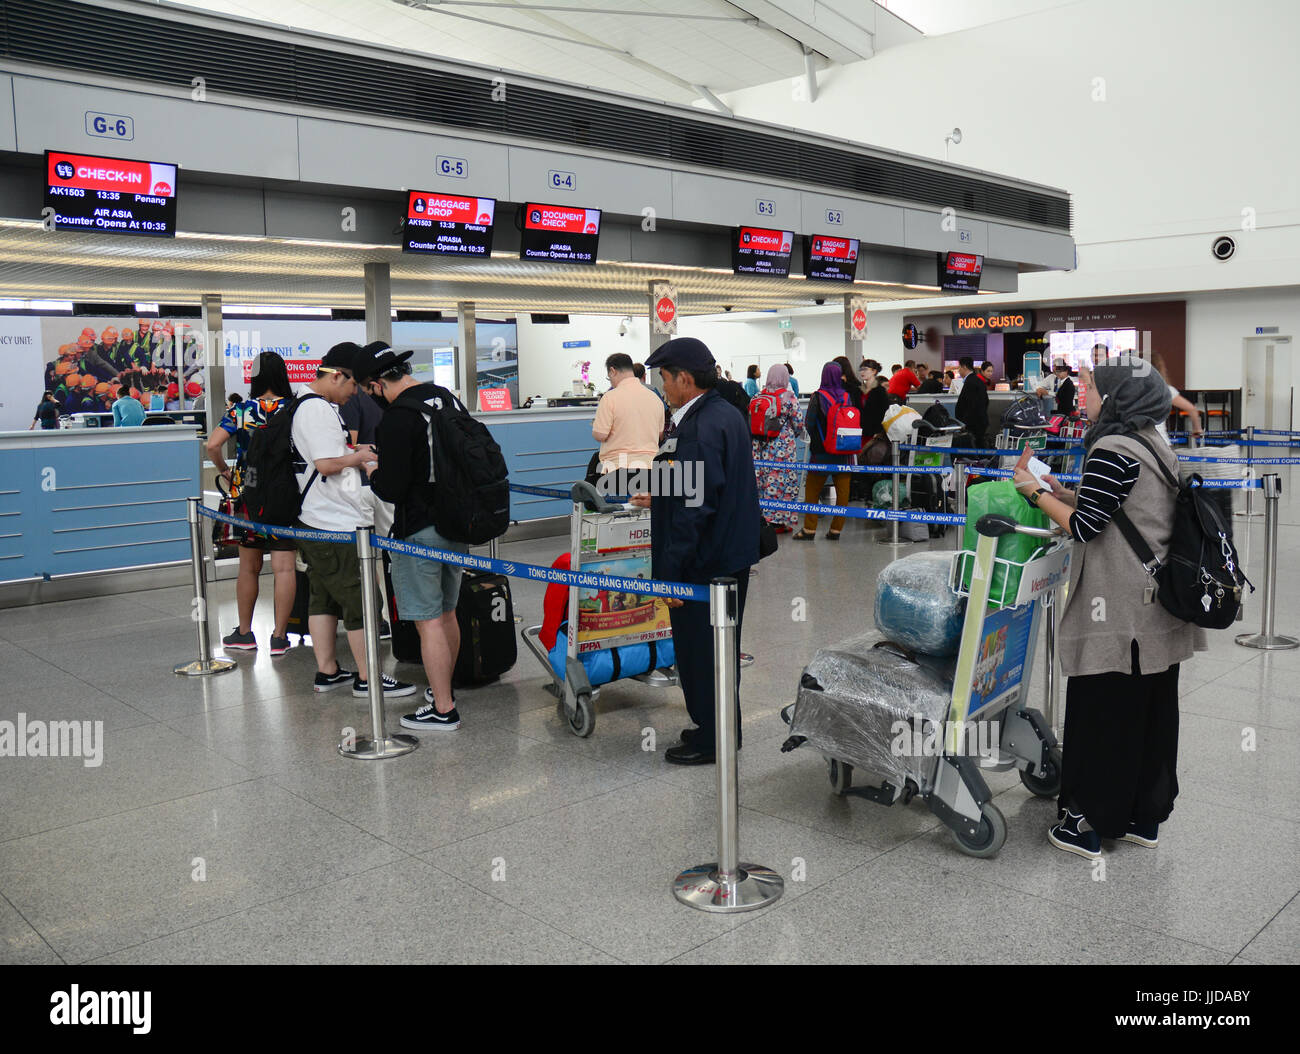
point(665, 309)
point(484, 218)
point(859, 319)
point(162, 190)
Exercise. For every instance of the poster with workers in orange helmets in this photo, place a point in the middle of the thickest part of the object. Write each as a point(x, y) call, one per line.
point(94, 361)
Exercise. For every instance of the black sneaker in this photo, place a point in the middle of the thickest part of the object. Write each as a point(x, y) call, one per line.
point(392, 687)
point(326, 682)
point(237, 641)
point(279, 645)
point(427, 718)
point(1143, 834)
point(1067, 835)
point(385, 630)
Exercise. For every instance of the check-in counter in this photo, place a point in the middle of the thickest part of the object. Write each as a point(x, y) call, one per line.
point(543, 447)
point(88, 500)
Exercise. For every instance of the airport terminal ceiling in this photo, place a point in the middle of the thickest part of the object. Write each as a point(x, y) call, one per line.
point(36, 264)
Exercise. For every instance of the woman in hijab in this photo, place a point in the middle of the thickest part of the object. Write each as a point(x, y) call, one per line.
point(1118, 646)
point(830, 393)
point(779, 484)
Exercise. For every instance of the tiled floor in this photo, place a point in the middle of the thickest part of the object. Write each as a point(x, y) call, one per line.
point(222, 825)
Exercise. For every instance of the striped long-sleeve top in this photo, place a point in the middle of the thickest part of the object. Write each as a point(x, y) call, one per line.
point(1108, 478)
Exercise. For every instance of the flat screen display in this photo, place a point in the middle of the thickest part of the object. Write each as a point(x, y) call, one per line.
point(559, 233)
point(960, 272)
point(758, 250)
point(448, 224)
point(830, 258)
point(110, 195)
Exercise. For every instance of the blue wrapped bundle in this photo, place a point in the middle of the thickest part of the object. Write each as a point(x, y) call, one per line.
point(613, 664)
point(916, 608)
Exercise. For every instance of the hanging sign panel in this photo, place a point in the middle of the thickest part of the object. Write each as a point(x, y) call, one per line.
point(448, 224)
point(110, 195)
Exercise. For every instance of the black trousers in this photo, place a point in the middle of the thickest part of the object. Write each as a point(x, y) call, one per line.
point(693, 645)
point(1120, 757)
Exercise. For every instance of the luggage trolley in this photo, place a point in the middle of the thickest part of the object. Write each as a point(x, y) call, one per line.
point(612, 539)
point(930, 493)
point(985, 702)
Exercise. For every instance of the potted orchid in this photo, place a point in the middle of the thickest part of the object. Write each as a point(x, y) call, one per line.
point(584, 365)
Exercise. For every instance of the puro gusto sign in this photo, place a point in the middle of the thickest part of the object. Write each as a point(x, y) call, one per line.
point(992, 322)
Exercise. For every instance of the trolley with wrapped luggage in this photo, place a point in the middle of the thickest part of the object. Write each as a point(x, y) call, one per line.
point(911, 725)
point(594, 636)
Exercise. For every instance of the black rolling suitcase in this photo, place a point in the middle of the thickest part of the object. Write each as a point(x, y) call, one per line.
point(487, 629)
point(487, 643)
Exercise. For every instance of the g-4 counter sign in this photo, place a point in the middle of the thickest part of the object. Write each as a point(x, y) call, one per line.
point(110, 195)
point(448, 224)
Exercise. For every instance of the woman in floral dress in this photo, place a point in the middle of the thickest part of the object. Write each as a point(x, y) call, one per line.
point(779, 484)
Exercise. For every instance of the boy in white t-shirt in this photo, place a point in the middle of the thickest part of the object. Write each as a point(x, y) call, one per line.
point(329, 478)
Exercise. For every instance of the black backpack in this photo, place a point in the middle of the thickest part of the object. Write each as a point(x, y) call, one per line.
point(1200, 581)
point(469, 477)
point(269, 490)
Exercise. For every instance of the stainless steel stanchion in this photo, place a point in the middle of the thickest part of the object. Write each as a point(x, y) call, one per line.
point(1266, 639)
point(959, 482)
point(378, 744)
point(205, 665)
point(893, 524)
point(727, 885)
point(494, 549)
point(1250, 473)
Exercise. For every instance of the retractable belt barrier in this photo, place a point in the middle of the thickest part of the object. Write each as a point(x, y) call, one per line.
point(511, 568)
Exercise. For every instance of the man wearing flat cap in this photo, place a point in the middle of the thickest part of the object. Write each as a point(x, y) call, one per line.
point(711, 534)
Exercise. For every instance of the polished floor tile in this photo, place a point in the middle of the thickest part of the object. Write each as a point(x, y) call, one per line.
point(405, 912)
point(603, 872)
point(116, 882)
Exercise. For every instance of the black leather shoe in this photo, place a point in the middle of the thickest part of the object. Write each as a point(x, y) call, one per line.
point(688, 734)
point(688, 754)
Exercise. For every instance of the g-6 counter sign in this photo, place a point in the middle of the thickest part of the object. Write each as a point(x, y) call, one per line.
point(110, 194)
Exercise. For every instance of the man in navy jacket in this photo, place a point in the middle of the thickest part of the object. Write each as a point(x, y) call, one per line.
point(708, 533)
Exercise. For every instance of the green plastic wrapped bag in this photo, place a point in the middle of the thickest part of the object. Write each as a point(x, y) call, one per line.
point(1001, 497)
point(882, 494)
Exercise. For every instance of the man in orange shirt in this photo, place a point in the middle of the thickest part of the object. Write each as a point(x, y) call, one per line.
point(629, 419)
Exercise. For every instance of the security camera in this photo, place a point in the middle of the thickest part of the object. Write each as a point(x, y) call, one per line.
point(624, 326)
point(819, 301)
point(1223, 248)
point(726, 307)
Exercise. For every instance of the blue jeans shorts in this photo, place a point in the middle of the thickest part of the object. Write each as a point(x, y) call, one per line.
point(426, 589)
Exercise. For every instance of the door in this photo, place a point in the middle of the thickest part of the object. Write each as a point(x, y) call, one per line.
point(1267, 393)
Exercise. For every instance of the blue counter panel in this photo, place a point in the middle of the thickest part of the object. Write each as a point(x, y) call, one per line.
point(72, 504)
point(544, 453)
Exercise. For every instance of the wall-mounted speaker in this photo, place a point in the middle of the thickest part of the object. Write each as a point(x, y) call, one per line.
point(1223, 248)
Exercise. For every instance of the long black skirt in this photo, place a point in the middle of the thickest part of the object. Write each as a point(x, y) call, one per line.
point(1120, 755)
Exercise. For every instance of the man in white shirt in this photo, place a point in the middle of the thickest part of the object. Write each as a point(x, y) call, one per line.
point(329, 479)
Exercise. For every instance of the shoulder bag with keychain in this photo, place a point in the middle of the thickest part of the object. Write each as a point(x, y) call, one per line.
point(1200, 580)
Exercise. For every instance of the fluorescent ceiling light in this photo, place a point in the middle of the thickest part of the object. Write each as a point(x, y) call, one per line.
point(276, 309)
point(36, 305)
point(146, 309)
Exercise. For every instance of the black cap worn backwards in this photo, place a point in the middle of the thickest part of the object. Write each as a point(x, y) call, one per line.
point(375, 358)
point(685, 353)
